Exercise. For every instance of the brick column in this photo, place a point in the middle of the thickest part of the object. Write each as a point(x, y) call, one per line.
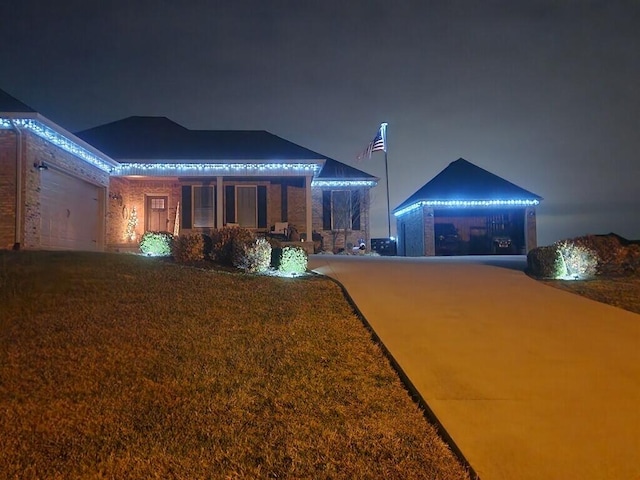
point(530, 233)
point(429, 234)
point(308, 204)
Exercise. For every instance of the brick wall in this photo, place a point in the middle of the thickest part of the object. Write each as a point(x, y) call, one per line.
point(531, 237)
point(7, 188)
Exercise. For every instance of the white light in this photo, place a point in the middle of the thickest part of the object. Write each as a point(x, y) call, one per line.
point(50, 135)
point(344, 183)
point(467, 203)
point(201, 169)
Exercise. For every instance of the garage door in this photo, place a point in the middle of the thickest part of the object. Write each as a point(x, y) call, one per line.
point(70, 212)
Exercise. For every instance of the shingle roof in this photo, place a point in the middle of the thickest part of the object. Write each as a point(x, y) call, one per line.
point(149, 139)
point(462, 180)
point(12, 104)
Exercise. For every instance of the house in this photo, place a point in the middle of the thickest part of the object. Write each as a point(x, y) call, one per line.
point(466, 210)
point(102, 188)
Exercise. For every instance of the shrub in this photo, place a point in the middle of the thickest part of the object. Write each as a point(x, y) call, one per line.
point(222, 243)
point(293, 261)
point(189, 248)
point(156, 243)
point(578, 260)
point(544, 262)
point(255, 257)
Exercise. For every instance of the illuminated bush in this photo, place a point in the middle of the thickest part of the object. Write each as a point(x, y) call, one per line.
point(293, 260)
point(255, 256)
point(189, 248)
point(156, 243)
point(544, 262)
point(223, 240)
point(578, 261)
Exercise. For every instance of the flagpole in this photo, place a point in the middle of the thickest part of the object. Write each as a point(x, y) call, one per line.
point(386, 172)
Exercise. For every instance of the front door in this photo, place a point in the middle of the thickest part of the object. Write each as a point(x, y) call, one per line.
point(157, 214)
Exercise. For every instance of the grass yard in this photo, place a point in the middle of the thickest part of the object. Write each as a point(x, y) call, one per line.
point(120, 366)
point(622, 292)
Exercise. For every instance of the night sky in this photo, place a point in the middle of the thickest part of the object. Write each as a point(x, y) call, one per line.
point(545, 94)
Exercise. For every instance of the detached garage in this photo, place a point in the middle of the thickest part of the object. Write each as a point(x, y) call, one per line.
point(54, 186)
point(466, 210)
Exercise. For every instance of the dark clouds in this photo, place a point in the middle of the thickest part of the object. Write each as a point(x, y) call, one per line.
point(543, 93)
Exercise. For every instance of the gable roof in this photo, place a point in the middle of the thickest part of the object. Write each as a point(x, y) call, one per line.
point(11, 104)
point(464, 181)
point(140, 139)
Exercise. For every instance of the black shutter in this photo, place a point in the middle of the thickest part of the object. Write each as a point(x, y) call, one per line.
point(262, 206)
point(355, 210)
point(284, 201)
point(186, 206)
point(230, 203)
point(326, 209)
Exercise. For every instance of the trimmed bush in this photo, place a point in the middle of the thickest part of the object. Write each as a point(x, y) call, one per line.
point(293, 261)
point(156, 243)
point(544, 262)
point(223, 240)
point(255, 257)
point(189, 248)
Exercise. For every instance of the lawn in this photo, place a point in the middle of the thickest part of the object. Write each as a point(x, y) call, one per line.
point(121, 366)
point(622, 292)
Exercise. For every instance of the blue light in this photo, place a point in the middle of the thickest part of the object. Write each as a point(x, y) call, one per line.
point(467, 203)
point(343, 183)
point(50, 135)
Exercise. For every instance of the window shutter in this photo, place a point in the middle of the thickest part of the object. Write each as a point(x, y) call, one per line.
point(355, 210)
point(185, 209)
point(326, 209)
point(230, 203)
point(262, 206)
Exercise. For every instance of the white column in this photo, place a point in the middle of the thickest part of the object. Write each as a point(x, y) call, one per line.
point(309, 217)
point(219, 205)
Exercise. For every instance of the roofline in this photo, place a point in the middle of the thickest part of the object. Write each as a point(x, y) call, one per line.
point(55, 134)
point(521, 202)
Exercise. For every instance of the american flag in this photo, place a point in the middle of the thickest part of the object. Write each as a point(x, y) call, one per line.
point(378, 144)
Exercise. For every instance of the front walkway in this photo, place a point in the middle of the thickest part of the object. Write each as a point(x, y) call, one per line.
point(529, 381)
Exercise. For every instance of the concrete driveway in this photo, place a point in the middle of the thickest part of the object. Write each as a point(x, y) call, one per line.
point(529, 381)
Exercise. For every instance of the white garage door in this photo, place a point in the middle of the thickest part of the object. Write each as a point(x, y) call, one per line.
point(70, 212)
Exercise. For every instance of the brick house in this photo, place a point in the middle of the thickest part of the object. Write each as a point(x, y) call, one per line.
point(84, 191)
point(466, 210)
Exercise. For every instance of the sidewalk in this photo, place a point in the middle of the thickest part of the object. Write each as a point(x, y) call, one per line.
point(530, 382)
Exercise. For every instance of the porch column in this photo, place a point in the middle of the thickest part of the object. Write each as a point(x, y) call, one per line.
point(219, 205)
point(309, 218)
point(530, 234)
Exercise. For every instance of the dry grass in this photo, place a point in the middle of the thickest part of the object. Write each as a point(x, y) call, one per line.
point(622, 292)
point(117, 366)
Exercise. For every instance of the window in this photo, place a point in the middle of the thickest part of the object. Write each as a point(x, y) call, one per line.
point(203, 206)
point(341, 209)
point(246, 204)
point(157, 203)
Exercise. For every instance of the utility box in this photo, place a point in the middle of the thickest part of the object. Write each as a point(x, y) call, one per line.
point(384, 246)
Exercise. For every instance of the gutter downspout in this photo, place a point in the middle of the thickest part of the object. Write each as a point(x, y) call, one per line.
point(18, 232)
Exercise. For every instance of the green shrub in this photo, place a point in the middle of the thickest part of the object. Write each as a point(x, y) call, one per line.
point(156, 243)
point(189, 248)
point(293, 261)
point(544, 262)
point(255, 256)
point(223, 240)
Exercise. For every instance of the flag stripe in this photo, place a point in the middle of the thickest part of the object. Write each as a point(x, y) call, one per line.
point(376, 145)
